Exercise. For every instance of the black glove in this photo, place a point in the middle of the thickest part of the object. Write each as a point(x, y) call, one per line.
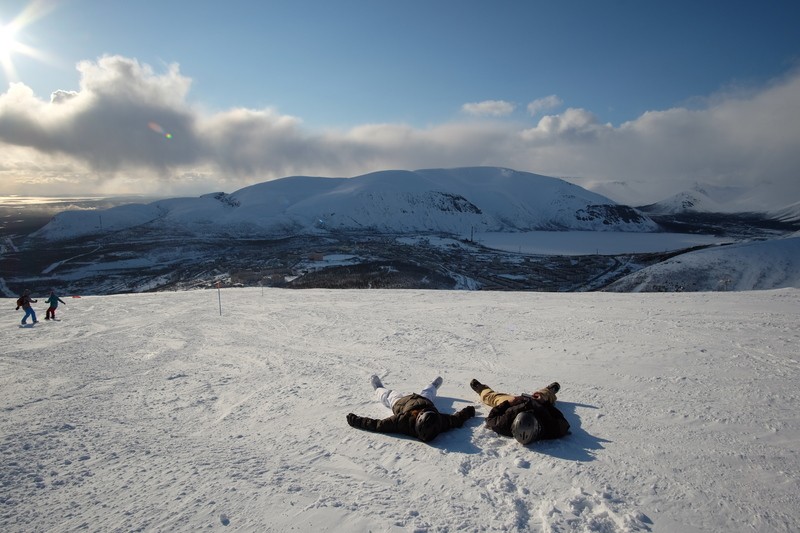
point(467, 412)
point(352, 419)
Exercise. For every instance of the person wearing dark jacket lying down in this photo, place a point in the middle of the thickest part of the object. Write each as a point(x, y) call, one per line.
point(527, 417)
point(412, 414)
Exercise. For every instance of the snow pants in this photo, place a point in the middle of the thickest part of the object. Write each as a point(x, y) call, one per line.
point(492, 398)
point(51, 313)
point(389, 397)
point(29, 312)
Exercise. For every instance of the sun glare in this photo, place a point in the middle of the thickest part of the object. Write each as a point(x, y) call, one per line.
point(7, 41)
point(10, 39)
point(7, 46)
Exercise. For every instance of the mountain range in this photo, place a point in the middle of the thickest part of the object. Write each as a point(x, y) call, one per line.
point(403, 229)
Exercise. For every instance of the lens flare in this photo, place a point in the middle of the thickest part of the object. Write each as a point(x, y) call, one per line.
point(156, 127)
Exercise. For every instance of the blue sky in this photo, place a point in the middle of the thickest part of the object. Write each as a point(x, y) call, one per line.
point(355, 76)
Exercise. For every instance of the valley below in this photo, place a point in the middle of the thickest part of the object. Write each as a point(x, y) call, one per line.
point(146, 259)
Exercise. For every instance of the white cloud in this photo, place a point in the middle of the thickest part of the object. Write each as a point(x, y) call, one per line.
point(62, 96)
point(543, 104)
point(492, 108)
point(741, 140)
point(572, 123)
point(98, 139)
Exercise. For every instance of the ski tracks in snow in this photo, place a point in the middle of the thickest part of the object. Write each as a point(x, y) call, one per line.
point(152, 412)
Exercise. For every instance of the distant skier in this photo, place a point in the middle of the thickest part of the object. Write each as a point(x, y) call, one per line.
point(24, 302)
point(53, 301)
point(527, 417)
point(413, 414)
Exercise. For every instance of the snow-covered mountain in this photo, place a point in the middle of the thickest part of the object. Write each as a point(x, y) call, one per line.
point(756, 265)
point(454, 201)
point(695, 200)
point(789, 213)
point(707, 199)
point(622, 192)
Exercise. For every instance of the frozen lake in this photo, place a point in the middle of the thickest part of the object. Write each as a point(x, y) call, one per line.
point(593, 242)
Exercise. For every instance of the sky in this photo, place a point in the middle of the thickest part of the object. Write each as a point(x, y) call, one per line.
point(187, 97)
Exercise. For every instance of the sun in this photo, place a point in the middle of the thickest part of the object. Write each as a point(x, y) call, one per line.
point(10, 39)
point(7, 40)
point(8, 47)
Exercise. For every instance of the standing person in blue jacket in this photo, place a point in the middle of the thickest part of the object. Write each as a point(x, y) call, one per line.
point(24, 302)
point(53, 301)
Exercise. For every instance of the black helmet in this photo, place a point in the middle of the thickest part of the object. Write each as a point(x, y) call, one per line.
point(427, 425)
point(526, 428)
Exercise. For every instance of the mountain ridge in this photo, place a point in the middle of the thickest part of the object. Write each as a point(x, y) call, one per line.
point(454, 201)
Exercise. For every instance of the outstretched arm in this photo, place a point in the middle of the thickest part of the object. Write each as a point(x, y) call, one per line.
point(554, 422)
point(457, 420)
point(387, 425)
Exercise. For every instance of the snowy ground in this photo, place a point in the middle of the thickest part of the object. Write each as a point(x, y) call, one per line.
point(152, 412)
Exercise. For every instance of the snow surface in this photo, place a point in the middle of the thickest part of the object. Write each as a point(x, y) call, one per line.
point(757, 265)
point(153, 412)
point(790, 213)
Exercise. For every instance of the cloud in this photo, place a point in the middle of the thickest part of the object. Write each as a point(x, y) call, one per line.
point(573, 123)
point(742, 140)
point(105, 123)
point(62, 96)
point(491, 108)
point(101, 139)
point(543, 104)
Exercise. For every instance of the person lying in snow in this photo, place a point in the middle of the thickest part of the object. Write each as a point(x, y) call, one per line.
point(413, 414)
point(527, 417)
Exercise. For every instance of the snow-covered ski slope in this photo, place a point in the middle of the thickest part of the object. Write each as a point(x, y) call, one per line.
point(152, 412)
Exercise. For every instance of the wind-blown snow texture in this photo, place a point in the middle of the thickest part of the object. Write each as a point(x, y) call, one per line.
point(456, 201)
point(151, 412)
